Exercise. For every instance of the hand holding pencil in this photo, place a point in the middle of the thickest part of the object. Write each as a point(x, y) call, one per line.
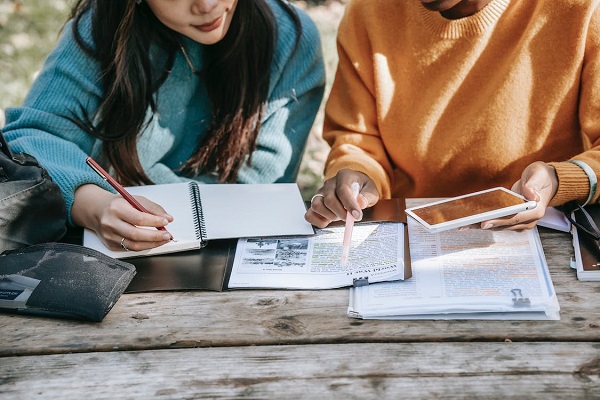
point(121, 222)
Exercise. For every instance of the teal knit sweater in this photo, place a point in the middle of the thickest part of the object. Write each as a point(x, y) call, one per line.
point(69, 84)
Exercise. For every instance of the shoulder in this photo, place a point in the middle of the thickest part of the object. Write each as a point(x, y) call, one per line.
point(555, 11)
point(287, 26)
point(572, 4)
point(68, 53)
point(361, 17)
point(83, 26)
point(307, 47)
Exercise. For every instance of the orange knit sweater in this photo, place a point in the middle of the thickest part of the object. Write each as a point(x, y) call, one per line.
point(429, 107)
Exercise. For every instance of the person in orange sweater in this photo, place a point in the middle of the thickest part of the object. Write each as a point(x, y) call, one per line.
point(439, 98)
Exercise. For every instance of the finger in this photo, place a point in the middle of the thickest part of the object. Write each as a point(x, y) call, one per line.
point(316, 219)
point(121, 209)
point(367, 196)
point(522, 227)
point(526, 218)
point(138, 238)
point(320, 209)
point(114, 228)
point(154, 208)
point(329, 206)
point(132, 245)
point(531, 192)
point(468, 227)
point(348, 195)
point(539, 182)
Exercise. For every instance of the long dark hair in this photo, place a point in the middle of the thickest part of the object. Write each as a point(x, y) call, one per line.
point(236, 77)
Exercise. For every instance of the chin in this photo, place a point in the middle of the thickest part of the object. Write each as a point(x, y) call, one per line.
point(207, 38)
point(439, 5)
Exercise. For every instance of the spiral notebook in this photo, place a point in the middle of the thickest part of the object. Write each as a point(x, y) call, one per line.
point(203, 212)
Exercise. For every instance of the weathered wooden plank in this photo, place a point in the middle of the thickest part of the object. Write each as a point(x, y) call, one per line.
point(238, 318)
point(417, 370)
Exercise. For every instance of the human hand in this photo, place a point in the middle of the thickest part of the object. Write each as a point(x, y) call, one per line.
point(116, 222)
point(335, 197)
point(538, 182)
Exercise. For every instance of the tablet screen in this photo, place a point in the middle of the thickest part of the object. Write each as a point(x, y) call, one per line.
point(467, 206)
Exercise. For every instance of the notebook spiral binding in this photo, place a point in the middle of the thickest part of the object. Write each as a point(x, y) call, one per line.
point(199, 223)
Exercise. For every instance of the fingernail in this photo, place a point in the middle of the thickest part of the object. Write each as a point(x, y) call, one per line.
point(169, 216)
point(537, 195)
point(488, 226)
point(167, 236)
point(464, 228)
point(165, 222)
point(356, 215)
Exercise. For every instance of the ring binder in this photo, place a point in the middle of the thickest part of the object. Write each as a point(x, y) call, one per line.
point(518, 299)
point(199, 223)
point(363, 281)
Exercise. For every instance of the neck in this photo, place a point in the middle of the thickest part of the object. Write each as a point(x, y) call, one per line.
point(464, 9)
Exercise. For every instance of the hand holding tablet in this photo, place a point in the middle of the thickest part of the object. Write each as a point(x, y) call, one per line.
point(470, 209)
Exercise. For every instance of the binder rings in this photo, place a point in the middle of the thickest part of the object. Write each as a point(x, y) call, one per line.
point(204, 212)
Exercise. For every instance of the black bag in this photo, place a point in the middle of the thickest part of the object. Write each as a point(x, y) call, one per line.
point(32, 209)
point(61, 280)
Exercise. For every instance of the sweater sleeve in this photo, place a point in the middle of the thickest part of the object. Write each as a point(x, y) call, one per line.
point(67, 88)
point(573, 183)
point(351, 121)
point(296, 90)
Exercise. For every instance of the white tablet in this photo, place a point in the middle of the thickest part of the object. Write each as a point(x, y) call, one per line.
point(470, 209)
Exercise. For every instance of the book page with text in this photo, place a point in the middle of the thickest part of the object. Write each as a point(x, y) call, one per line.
point(464, 271)
point(314, 262)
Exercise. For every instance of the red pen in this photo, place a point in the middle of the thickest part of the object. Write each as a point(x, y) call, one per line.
point(112, 182)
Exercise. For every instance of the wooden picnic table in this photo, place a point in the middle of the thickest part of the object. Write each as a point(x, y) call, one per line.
point(301, 344)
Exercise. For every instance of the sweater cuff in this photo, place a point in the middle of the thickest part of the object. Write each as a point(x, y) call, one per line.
point(573, 184)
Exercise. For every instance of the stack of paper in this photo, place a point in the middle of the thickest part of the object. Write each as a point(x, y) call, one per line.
point(465, 274)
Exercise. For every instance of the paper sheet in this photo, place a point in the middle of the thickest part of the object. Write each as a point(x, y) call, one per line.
point(314, 262)
point(471, 271)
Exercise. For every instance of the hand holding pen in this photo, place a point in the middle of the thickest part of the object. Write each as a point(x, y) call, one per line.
point(333, 201)
point(135, 204)
point(348, 227)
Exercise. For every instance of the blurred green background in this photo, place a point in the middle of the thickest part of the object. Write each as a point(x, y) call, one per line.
point(29, 30)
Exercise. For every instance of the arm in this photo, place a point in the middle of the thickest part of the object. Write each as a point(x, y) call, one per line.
point(573, 182)
point(351, 128)
point(556, 183)
point(67, 87)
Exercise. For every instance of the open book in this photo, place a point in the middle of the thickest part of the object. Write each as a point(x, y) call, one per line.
point(465, 274)
point(586, 248)
point(204, 212)
point(378, 252)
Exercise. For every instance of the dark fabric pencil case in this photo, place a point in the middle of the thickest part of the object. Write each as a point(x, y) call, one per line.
point(61, 280)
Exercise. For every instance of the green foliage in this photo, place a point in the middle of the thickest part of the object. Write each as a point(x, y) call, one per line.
point(28, 32)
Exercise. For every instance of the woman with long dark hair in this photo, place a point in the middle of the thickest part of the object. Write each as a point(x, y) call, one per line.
point(161, 91)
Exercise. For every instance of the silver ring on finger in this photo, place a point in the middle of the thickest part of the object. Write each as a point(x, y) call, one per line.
point(123, 245)
point(315, 196)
